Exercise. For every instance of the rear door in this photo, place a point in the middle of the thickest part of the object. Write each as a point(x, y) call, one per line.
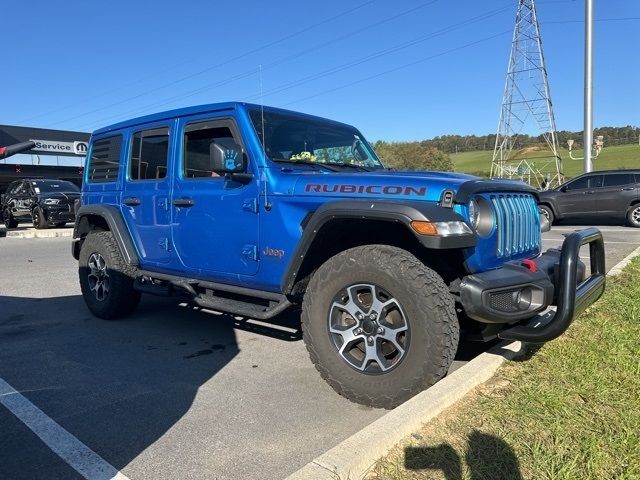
point(578, 196)
point(618, 191)
point(145, 196)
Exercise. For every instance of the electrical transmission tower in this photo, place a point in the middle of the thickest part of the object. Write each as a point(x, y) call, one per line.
point(527, 102)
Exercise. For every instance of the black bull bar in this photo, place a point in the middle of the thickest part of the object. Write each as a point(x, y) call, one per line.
point(573, 298)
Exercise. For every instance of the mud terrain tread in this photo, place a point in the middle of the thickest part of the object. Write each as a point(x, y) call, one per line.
point(432, 295)
point(123, 298)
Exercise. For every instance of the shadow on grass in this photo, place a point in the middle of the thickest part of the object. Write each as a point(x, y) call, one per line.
point(487, 458)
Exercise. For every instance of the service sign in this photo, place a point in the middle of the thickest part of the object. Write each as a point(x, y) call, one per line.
point(54, 147)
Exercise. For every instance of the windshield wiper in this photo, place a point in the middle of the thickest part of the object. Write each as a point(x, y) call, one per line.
point(313, 164)
point(352, 165)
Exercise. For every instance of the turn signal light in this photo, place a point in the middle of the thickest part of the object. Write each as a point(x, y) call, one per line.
point(424, 228)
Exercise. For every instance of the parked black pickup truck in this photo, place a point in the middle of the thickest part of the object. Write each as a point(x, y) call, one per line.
point(43, 202)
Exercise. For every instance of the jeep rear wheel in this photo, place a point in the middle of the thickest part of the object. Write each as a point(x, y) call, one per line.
point(379, 325)
point(106, 280)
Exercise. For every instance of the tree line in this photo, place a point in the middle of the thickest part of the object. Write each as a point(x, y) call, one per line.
point(466, 143)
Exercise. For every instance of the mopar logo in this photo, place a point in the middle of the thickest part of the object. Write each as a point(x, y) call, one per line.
point(80, 148)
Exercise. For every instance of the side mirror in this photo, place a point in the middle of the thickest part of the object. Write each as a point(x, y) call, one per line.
point(227, 157)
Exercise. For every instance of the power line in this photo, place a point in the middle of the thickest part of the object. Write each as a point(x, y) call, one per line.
point(401, 67)
point(230, 60)
point(370, 57)
point(281, 61)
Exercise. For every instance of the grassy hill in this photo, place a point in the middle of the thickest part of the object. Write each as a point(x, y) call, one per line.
point(614, 157)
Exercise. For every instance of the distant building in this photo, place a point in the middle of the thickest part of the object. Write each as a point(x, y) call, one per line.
point(58, 154)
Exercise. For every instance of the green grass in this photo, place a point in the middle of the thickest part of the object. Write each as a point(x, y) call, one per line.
point(571, 411)
point(614, 157)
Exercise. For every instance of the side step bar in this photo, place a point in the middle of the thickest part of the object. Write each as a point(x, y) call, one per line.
point(243, 301)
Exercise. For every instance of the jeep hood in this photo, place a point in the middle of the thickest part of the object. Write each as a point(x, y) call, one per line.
point(379, 184)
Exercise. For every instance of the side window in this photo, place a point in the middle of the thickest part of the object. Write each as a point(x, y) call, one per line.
point(579, 184)
point(149, 152)
point(13, 188)
point(197, 140)
point(592, 181)
point(104, 164)
point(618, 179)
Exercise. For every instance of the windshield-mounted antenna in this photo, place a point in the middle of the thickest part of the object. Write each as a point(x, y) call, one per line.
point(267, 204)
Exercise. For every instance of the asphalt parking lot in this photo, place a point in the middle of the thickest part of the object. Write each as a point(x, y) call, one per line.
point(173, 391)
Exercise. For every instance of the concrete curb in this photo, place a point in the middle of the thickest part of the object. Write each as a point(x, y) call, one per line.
point(32, 233)
point(353, 458)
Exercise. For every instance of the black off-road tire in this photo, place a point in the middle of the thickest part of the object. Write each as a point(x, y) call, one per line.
point(8, 219)
point(429, 308)
point(39, 220)
point(121, 299)
point(547, 212)
point(633, 216)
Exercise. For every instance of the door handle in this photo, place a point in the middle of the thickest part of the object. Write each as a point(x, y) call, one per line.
point(626, 189)
point(131, 201)
point(184, 202)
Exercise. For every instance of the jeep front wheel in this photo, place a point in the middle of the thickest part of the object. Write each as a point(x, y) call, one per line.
point(379, 325)
point(106, 280)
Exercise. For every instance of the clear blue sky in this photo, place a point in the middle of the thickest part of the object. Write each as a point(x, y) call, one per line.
point(80, 65)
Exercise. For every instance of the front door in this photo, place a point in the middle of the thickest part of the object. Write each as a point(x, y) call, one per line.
point(215, 219)
point(145, 196)
point(578, 196)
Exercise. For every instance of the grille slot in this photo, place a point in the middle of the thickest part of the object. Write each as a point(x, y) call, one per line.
point(517, 224)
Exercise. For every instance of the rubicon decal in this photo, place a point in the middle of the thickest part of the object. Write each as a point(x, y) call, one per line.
point(369, 189)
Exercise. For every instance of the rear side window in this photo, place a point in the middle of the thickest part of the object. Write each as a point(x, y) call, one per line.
point(197, 139)
point(149, 152)
point(104, 163)
point(618, 179)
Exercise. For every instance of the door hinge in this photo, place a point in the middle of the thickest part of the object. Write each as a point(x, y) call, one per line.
point(250, 205)
point(163, 243)
point(250, 252)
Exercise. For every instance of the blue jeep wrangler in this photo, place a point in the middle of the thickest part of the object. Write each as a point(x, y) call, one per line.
point(253, 211)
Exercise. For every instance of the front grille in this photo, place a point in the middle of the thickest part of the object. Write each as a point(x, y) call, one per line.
point(517, 223)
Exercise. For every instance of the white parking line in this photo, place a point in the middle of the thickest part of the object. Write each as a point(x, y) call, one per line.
point(84, 460)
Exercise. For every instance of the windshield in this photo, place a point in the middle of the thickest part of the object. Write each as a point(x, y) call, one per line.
point(290, 138)
point(48, 186)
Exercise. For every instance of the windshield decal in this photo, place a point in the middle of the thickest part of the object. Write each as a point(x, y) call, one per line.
point(369, 189)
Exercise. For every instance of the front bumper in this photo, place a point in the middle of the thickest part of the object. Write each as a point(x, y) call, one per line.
point(58, 213)
point(516, 293)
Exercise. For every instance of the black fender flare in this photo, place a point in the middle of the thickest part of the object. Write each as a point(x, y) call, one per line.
point(114, 220)
point(363, 209)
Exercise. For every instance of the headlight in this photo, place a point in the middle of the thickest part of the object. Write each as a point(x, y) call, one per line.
point(52, 201)
point(474, 213)
point(481, 216)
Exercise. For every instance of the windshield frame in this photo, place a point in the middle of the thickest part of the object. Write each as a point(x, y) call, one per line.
point(373, 162)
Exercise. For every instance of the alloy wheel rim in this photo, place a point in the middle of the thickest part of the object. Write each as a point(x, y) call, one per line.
point(368, 328)
point(635, 215)
point(545, 213)
point(98, 276)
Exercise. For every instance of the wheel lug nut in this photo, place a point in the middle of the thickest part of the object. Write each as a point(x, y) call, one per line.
point(380, 330)
point(359, 316)
point(373, 315)
point(358, 331)
point(370, 340)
